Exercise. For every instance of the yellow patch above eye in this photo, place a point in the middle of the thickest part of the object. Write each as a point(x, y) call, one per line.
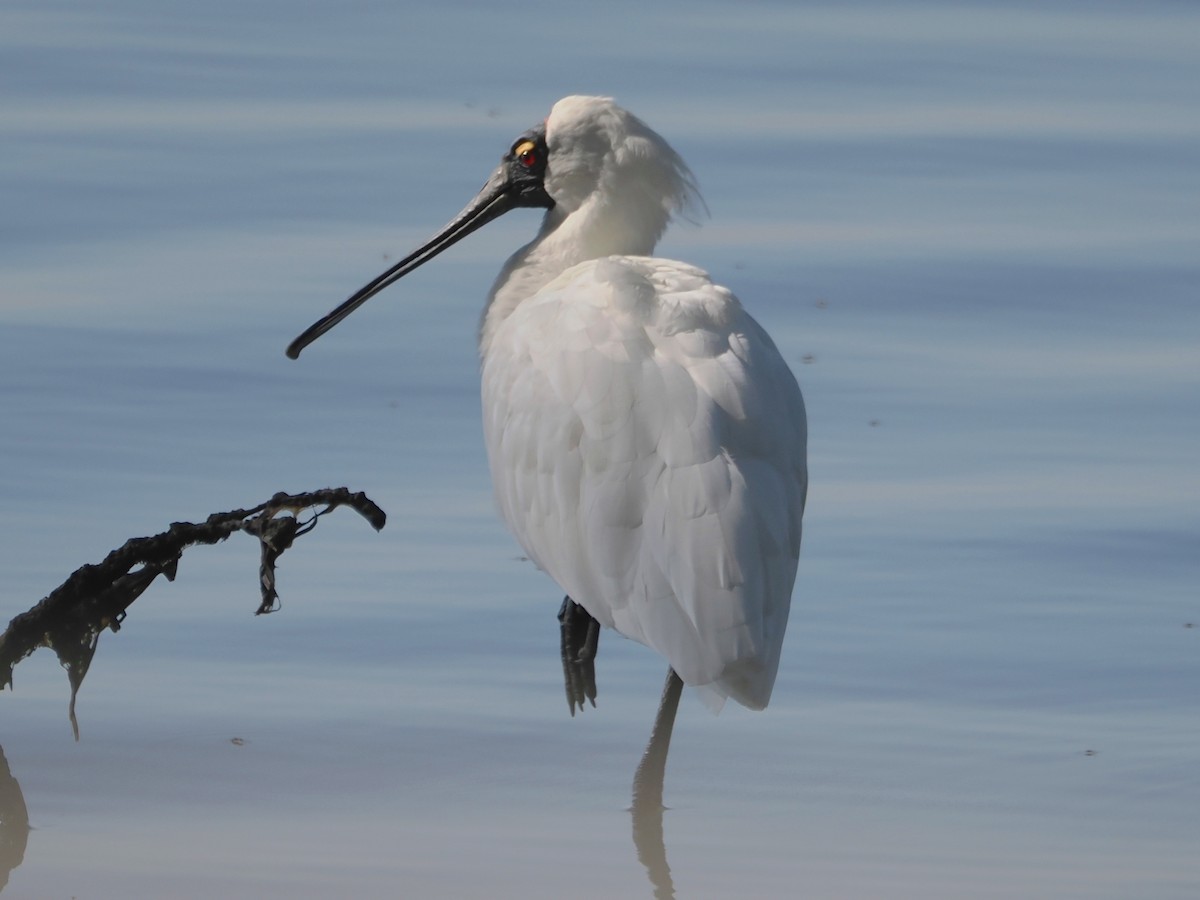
point(522, 148)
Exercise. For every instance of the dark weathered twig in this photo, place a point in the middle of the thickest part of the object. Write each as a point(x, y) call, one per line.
point(69, 620)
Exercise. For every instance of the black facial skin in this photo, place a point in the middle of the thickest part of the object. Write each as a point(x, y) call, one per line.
point(527, 169)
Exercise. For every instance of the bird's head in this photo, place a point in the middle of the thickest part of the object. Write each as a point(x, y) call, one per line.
point(601, 153)
point(589, 157)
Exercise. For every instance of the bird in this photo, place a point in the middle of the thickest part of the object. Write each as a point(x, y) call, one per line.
point(647, 440)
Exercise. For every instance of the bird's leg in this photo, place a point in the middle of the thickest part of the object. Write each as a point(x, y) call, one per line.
point(648, 790)
point(580, 637)
point(648, 779)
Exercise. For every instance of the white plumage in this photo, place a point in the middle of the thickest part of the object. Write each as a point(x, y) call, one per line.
point(646, 438)
point(646, 443)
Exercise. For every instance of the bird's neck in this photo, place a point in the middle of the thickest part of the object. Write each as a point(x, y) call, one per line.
point(593, 231)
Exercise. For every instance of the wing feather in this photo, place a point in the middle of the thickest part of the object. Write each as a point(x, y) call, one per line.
point(647, 445)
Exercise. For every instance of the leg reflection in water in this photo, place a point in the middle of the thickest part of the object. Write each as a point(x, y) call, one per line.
point(648, 792)
point(579, 640)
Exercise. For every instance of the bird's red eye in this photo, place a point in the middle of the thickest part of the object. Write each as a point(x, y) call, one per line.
point(526, 154)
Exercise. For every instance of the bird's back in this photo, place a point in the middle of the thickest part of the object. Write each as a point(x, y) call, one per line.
point(647, 448)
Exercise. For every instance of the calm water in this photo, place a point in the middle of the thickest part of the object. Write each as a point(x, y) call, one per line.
point(972, 230)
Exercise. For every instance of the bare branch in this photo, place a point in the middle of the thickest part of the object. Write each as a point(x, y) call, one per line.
point(70, 619)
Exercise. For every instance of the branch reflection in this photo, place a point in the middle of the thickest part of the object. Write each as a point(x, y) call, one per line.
point(14, 822)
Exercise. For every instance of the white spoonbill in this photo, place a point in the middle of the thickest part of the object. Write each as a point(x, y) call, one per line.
point(646, 438)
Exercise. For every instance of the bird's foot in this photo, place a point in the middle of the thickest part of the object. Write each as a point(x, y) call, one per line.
point(580, 635)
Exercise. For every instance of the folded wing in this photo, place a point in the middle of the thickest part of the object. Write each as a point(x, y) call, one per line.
point(647, 447)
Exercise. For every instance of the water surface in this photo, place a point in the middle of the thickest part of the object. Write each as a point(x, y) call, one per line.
point(972, 231)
